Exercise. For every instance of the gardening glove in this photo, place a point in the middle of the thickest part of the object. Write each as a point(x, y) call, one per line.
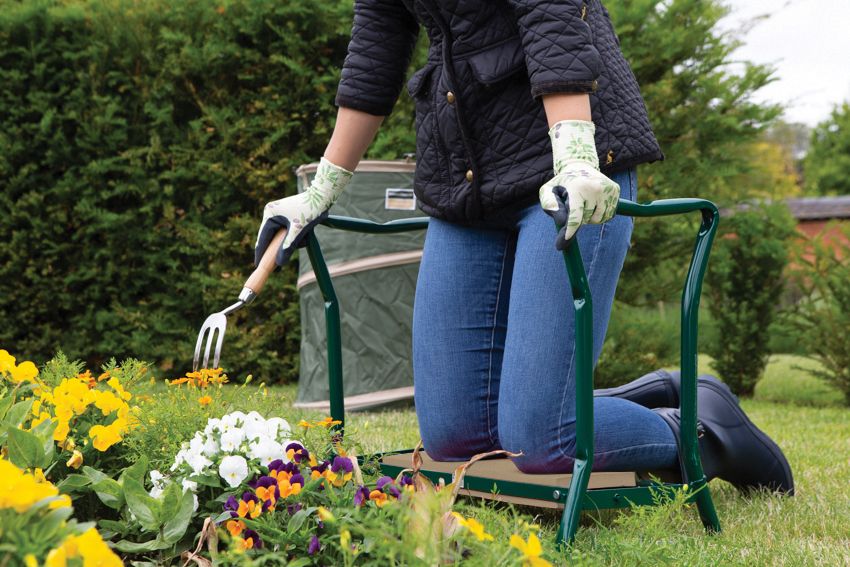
point(300, 213)
point(591, 196)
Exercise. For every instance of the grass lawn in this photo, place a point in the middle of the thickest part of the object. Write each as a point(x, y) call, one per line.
point(812, 528)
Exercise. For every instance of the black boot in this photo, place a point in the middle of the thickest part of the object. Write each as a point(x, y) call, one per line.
point(731, 447)
point(658, 389)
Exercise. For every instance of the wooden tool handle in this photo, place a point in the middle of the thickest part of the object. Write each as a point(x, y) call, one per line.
point(264, 269)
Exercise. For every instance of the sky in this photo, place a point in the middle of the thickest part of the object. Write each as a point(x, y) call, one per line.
point(808, 42)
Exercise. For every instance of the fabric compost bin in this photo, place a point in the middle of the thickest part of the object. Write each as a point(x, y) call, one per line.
point(374, 276)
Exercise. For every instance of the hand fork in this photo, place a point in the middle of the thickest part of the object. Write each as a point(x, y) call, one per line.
point(216, 324)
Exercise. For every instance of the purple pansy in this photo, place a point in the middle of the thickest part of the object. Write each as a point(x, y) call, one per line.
point(299, 453)
point(314, 546)
point(342, 464)
point(361, 496)
point(232, 505)
point(389, 484)
point(254, 536)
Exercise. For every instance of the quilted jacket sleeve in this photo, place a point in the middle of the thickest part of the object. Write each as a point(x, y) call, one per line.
point(382, 42)
point(559, 51)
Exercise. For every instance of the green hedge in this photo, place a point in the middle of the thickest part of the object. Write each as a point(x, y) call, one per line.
point(138, 144)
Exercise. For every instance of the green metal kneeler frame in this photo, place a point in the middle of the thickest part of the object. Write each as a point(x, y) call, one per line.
point(577, 497)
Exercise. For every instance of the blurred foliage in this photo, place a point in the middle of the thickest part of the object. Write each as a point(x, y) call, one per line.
point(827, 164)
point(745, 284)
point(823, 317)
point(639, 340)
point(140, 139)
point(701, 110)
point(138, 143)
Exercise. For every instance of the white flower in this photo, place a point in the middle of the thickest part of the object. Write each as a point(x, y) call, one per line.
point(157, 478)
point(232, 439)
point(155, 492)
point(210, 448)
point(189, 485)
point(278, 427)
point(232, 420)
point(213, 424)
point(179, 459)
point(256, 427)
point(197, 462)
point(194, 502)
point(196, 445)
point(233, 469)
point(266, 450)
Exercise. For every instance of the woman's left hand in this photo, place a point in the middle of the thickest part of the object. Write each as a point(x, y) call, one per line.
point(592, 197)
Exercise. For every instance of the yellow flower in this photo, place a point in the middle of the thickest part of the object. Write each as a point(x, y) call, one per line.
point(68, 444)
point(30, 560)
point(116, 385)
point(328, 422)
point(24, 372)
point(531, 550)
point(19, 490)
point(474, 526)
point(205, 400)
point(105, 437)
point(76, 460)
point(7, 361)
point(94, 550)
point(305, 424)
point(88, 546)
point(107, 402)
point(325, 515)
point(62, 430)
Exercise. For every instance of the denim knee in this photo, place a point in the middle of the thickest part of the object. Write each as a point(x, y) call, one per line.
point(544, 449)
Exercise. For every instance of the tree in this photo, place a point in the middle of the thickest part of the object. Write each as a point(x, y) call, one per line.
point(744, 286)
point(826, 168)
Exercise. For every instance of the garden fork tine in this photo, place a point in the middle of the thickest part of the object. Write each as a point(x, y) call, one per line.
point(216, 324)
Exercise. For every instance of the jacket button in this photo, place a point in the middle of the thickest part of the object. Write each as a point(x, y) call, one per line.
point(594, 85)
point(469, 175)
point(450, 96)
point(609, 159)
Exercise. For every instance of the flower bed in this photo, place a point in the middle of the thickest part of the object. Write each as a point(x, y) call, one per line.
point(211, 483)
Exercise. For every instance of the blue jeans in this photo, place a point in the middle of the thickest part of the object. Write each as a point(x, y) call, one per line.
point(494, 345)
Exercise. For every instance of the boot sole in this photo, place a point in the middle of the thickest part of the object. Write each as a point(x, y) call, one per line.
point(723, 390)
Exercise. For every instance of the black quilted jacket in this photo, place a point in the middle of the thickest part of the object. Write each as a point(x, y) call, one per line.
point(482, 142)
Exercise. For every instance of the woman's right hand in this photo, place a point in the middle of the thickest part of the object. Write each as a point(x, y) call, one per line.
point(300, 213)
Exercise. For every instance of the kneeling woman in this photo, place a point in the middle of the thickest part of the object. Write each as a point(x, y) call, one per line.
point(517, 97)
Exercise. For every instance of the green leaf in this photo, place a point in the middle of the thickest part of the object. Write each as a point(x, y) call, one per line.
point(94, 474)
point(133, 547)
point(212, 480)
point(113, 526)
point(5, 404)
point(298, 519)
point(109, 492)
point(25, 449)
point(175, 528)
point(15, 416)
point(73, 483)
point(46, 528)
point(146, 508)
point(169, 502)
point(136, 471)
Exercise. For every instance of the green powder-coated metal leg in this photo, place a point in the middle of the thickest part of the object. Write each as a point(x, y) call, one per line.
point(584, 394)
point(688, 400)
point(323, 278)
